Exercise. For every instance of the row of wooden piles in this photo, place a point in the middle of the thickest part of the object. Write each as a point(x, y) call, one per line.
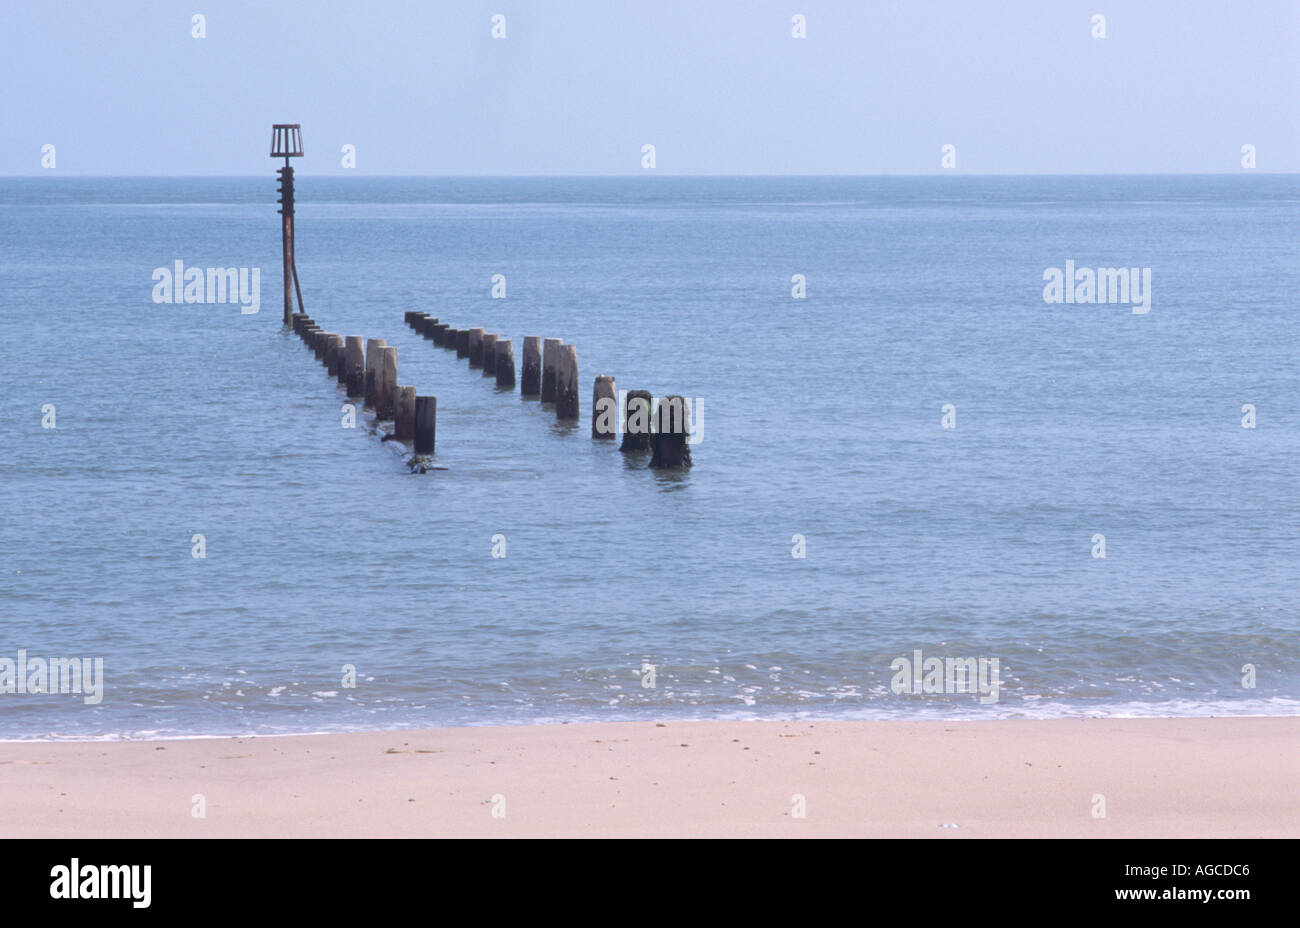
point(367, 368)
point(549, 371)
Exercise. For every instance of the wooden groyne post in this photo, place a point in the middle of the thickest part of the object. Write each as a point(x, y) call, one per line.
point(373, 347)
point(333, 349)
point(476, 347)
point(404, 413)
point(530, 381)
point(489, 354)
point(505, 363)
point(385, 382)
point(566, 382)
point(604, 408)
point(426, 423)
point(355, 364)
point(669, 440)
point(550, 356)
point(636, 421)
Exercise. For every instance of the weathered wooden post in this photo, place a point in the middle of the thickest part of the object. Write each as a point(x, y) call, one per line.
point(286, 142)
point(604, 408)
point(325, 348)
point(333, 347)
point(426, 423)
point(298, 320)
point(550, 354)
point(669, 439)
point(489, 354)
point(356, 365)
point(440, 333)
point(505, 363)
point(404, 413)
point(462, 343)
point(385, 382)
point(341, 361)
point(476, 347)
point(373, 347)
point(566, 383)
point(636, 421)
point(530, 383)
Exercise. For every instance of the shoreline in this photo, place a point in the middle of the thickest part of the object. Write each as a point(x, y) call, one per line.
point(562, 723)
point(1152, 777)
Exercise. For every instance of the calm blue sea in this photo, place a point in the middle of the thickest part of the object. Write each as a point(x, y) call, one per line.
point(821, 418)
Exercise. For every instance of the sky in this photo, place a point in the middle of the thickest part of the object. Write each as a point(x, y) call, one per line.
point(578, 87)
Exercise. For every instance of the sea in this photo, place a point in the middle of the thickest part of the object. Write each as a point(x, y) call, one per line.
point(903, 451)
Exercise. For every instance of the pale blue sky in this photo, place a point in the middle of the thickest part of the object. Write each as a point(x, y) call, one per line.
point(578, 86)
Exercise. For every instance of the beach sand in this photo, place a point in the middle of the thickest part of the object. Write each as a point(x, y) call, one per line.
point(1159, 777)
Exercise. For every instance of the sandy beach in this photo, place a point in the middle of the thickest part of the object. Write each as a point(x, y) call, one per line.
point(1159, 777)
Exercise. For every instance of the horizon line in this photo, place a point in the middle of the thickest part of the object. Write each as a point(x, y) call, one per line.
point(647, 174)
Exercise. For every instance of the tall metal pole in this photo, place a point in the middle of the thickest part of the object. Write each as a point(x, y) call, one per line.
point(286, 237)
point(286, 142)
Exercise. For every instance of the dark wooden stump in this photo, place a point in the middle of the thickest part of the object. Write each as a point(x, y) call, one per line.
point(504, 356)
point(669, 439)
point(404, 413)
point(426, 423)
point(566, 383)
point(550, 355)
point(530, 383)
point(355, 365)
point(636, 421)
